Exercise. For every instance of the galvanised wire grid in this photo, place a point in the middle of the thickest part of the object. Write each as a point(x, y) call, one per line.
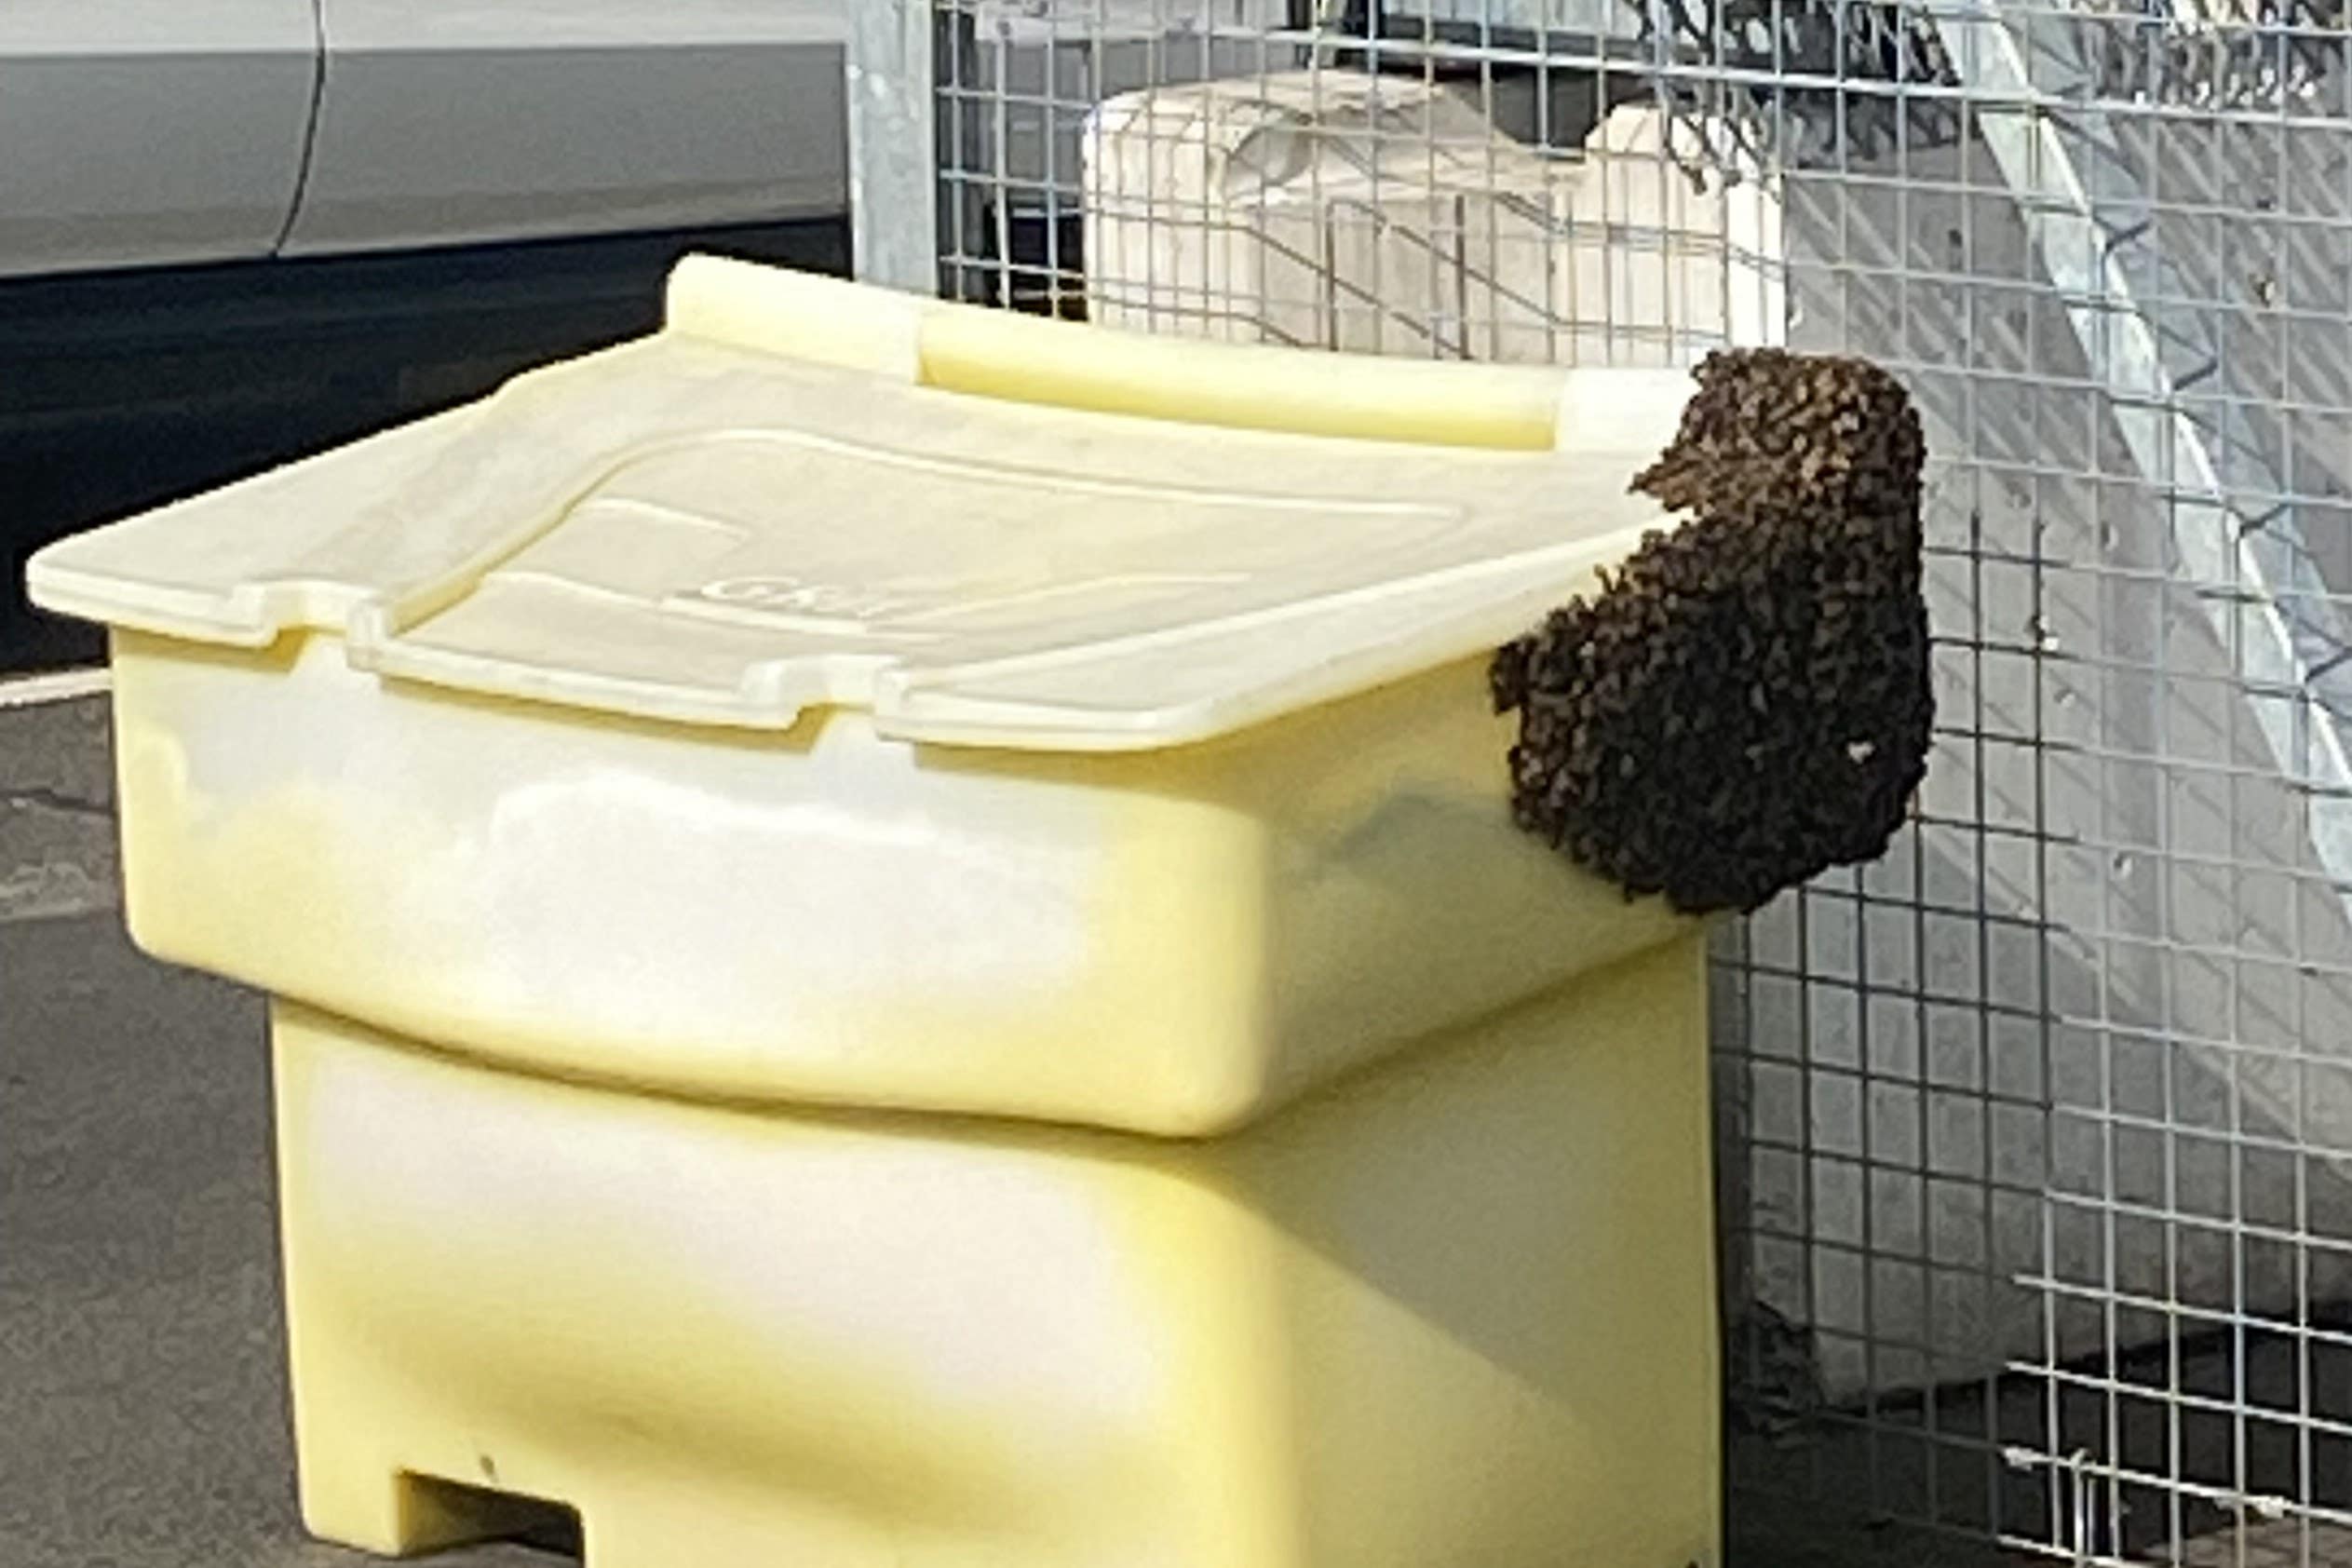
point(2035, 1136)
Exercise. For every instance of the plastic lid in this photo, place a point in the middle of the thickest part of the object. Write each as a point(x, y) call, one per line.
point(764, 509)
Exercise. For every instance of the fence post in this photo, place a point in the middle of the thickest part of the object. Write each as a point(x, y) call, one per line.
point(893, 196)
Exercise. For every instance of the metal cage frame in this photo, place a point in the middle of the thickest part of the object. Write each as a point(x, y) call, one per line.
point(2035, 1137)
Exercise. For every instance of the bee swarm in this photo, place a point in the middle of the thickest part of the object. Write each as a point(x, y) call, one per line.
point(1746, 702)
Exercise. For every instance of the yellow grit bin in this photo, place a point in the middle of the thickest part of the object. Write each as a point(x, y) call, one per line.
point(897, 943)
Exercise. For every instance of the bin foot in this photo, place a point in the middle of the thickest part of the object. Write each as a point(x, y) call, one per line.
point(391, 1513)
point(402, 1514)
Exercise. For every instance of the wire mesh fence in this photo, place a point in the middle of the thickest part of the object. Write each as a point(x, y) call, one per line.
point(2035, 1136)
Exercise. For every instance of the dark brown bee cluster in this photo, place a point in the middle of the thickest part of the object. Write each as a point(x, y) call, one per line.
point(1747, 701)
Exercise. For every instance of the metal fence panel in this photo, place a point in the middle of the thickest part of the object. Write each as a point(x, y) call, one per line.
point(2035, 1136)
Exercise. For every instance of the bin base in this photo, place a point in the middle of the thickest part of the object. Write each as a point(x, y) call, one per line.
point(1458, 1309)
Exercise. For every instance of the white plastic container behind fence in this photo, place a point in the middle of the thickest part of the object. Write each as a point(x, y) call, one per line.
point(1388, 215)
